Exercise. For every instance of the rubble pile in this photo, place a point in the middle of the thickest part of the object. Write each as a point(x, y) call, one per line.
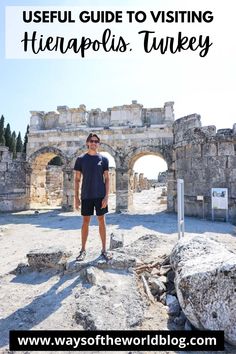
point(157, 278)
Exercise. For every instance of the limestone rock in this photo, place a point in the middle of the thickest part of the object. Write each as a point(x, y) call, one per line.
point(114, 306)
point(52, 257)
point(118, 261)
point(173, 305)
point(143, 248)
point(163, 279)
point(205, 283)
point(116, 241)
point(181, 319)
point(165, 269)
point(157, 287)
point(22, 268)
point(91, 275)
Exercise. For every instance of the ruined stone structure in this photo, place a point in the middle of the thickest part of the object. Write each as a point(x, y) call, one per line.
point(112, 178)
point(54, 185)
point(139, 182)
point(203, 157)
point(162, 177)
point(127, 133)
point(13, 194)
point(143, 182)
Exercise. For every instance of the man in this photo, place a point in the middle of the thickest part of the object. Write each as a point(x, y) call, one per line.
point(94, 192)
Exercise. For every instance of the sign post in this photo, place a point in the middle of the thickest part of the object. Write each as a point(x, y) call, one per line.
point(180, 200)
point(201, 197)
point(219, 201)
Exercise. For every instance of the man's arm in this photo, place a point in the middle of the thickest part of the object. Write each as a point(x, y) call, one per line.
point(105, 199)
point(77, 185)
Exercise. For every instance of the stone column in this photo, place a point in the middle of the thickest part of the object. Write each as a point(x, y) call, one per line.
point(141, 181)
point(28, 172)
point(135, 181)
point(124, 195)
point(112, 176)
point(169, 111)
point(68, 189)
point(37, 182)
point(132, 181)
point(171, 191)
point(36, 120)
point(145, 181)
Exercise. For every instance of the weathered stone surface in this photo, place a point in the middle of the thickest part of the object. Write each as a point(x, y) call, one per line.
point(216, 162)
point(118, 261)
point(163, 279)
point(165, 269)
point(143, 248)
point(183, 124)
point(22, 268)
point(157, 287)
point(173, 305)
point(91, 275)
point(52, 257)
point(116, 241)
point(210, 149)
point(199, 155)
point(205, 283)
point(113, 305)
point(181, 319)
point(226, 148)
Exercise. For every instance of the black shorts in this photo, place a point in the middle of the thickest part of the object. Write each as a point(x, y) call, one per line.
point(88, 205)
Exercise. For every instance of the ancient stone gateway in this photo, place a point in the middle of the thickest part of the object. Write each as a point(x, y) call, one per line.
point(127, 133)
point(203, 156)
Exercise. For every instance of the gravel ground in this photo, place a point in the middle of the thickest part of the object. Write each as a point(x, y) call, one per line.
point(47, 300)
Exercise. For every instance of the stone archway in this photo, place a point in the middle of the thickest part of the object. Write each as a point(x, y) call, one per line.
point(165, 152)
point(124, 132)
point(36, 179)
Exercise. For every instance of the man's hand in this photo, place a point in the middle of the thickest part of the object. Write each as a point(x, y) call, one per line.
point(77, 203)
point(104, 202)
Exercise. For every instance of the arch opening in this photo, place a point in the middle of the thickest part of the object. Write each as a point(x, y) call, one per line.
point(148, 182)
point(54, 182)
point(46, 184)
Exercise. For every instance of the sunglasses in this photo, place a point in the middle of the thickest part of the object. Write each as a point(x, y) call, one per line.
point(94, 141)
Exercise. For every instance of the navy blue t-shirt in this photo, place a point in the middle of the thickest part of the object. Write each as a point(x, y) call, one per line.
point(92, 168)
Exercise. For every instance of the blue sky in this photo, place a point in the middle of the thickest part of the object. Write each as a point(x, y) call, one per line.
point(196, 85)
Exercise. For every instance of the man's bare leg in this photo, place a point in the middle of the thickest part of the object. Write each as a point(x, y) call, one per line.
point(84, 231)
point(102, 230)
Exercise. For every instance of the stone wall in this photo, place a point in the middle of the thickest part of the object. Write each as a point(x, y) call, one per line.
point(66, 138)
point(139, 182)
point(54, 185)
point(205, 159)
point(131, 115)
point(12, 181)
point(112, 178)
point(162, 177)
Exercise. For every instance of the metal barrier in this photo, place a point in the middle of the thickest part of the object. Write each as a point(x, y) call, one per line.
point(180, 200)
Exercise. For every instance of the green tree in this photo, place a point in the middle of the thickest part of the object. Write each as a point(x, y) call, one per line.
point(2, 137)
point(26, 139)
point(8, 137)
point(12, 147)
point(19, 144)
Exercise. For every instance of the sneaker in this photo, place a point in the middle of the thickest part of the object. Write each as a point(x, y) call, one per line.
point(81, 256)
point(105, 255)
